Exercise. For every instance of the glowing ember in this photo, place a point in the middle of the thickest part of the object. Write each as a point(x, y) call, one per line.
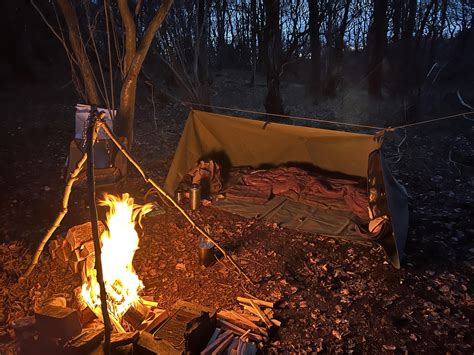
point(119, 244)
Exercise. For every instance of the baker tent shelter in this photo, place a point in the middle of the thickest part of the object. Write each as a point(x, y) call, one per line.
point(234, 141)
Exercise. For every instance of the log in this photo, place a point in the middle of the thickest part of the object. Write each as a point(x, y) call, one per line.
point(154, 319)
point(148, 345)
point(88, 340)
point(239, 331)
point(261, 314)
point(214, 335)
point(223, 345)
point(136, 314)
point(120, 339)
point(256, 301)
point(276, 322)
point(80, 234)
point(212, 346)
point(241, 321)
point(58, 322)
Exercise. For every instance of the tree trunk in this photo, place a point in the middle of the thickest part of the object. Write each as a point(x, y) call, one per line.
point(79, 51)
point(397, 13)
point(221, 11)
point(273, 102)
point(315, 42)
point(126, 114)
point(203, 59)
point(253, 14)
point(377, 42)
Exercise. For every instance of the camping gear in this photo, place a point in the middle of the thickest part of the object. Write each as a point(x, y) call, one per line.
point(236, 142)
point(195, 196)
point(110, 165)
point(206, 253)
point(179, 195)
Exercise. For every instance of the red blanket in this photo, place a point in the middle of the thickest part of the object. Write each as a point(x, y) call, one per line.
point(312, 188)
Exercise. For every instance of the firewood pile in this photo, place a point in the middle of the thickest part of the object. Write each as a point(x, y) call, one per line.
point(146, 329)
point(75, 251)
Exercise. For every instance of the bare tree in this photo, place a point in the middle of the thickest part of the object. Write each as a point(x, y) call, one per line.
point(377, 42)
point(315, 40)
point(273, 101)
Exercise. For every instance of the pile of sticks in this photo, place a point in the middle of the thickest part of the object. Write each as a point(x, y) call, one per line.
point(241, 332)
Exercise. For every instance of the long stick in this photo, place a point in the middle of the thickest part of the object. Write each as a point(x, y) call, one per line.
point(67, 192)
point(91, 137)
point(163, 192)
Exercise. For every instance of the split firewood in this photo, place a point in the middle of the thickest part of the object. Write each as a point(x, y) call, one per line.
point(223, 345)
point(261, 314)
point(276, 322)
point(154, 319)
point(214, 335)
point(120, 339)
point(58, 322)
point(232, 348)
point(256, 301)
point(87, 249)
point(208, 350)
point(80, 234)
point(268, 312)
point(247, 349)
point(241, 321)
point(86, 341)
point(136, 314)
point(54, 245)
point(98, 313)
point(239, 331)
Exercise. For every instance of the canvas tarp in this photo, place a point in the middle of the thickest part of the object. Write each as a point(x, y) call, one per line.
point(234, 141)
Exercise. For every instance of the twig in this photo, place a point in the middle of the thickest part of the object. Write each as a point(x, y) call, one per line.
point(67, 191)
point(165, 194)
point(465, 105)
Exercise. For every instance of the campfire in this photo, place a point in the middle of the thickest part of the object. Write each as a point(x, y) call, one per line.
point(119, 243)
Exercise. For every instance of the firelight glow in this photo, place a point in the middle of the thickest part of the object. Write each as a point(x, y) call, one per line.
point(119, 243)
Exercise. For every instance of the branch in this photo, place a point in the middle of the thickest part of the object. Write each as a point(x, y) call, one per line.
point(130, 34)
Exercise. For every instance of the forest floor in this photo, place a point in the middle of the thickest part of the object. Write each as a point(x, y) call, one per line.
point(333, 296)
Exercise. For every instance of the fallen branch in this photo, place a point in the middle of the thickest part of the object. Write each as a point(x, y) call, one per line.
point(167, 196)
point(465, 105)
point(67, 192)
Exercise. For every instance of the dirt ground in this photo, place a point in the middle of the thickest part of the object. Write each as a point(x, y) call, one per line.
point(333, 296)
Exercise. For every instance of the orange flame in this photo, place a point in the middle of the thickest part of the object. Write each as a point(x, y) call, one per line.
point(119, 243)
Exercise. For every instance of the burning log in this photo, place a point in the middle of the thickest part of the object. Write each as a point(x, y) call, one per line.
point(154, 319)
point(136, 314)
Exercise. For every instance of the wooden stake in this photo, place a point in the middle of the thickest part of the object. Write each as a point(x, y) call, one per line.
point(165, 194)
point(92, 131)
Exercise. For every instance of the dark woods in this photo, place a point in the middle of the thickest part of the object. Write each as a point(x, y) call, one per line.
point(110, 44)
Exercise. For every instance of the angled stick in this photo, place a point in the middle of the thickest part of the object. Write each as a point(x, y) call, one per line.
point(67, 192)
point(167, 196)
